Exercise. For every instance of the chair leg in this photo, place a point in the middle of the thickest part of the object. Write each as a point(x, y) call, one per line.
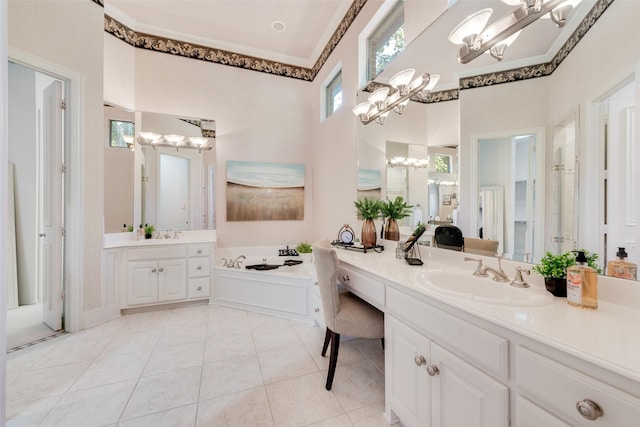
point(327, 338)
point(382, 341)
point(335, 343)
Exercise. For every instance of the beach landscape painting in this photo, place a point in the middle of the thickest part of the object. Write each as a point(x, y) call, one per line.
point(259, 191)
point(369, 183)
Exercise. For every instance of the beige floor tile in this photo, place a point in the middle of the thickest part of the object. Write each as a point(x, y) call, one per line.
point(220, 325)
point(73, 349)
point(358, 385)
point(340, 421)
point(245, 408)
point(178, 336)
point(184, 416)
point(171, 358)
point(370, 416)
point(45, 382)
point(302, 400)
point(19, 362)
point(272, 338)
point(278, 365)
point(164, 391)
point(29, 413)
point(347, 354)
point(188, 317)
point(91, 407)
point(223, 346)
point(230, 376)
point(308, 332)
point(141, 343)
point(147, 321)
point(111, 370)
point(260, 322)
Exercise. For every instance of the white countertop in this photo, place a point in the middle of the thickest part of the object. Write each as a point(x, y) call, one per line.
point(123, 240)
point(608, 337)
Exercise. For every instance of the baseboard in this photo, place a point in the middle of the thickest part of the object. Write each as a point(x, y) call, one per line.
point(163, 306)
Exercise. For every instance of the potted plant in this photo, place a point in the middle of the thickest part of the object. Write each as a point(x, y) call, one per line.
point(304, 249)
point(148, 231)
point(393, 210)
point(368, 209)
point(554, 269)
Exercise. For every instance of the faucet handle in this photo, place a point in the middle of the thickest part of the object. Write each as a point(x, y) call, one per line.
point(519, 281)
point(480, 270)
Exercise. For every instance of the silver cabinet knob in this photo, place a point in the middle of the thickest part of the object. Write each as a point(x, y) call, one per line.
point(589, 409)
point(42, 235)
point(153, 270)
point(199, 288)
point(317, 310)
point(420, 360)
point(433, 370)
point(199, 251)
point(161, 270)
point(199, 267)
point(345, 277)
point(315, 284)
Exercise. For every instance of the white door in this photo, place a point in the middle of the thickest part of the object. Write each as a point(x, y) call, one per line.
point(51, 196)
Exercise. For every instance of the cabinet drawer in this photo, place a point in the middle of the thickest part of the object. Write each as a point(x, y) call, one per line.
point(199, 250)
point(199, 288)
point(177, 251)
point(365, 287)
point(531, 415)
point(488, 351)
point(199, 267)
point(559, 387)
point(316, 308)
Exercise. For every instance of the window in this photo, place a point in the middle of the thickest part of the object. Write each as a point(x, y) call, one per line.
point(334, 94)
point(443, 163)
point(119, 129)
point(386, 41)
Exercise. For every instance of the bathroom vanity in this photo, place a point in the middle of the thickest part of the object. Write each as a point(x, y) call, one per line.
point(151, 272)
point(467, 351)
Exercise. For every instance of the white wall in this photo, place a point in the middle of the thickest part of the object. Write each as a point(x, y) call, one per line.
point(23, 150)
point(70, 36)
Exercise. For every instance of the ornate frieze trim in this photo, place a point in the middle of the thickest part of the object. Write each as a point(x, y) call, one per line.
point(539, 70)
point(432, 97)
point(219, 56)
point(99, 2)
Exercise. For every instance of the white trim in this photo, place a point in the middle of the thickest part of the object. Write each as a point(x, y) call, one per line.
point(4, 154)
point(74, 203)
point(630, 172)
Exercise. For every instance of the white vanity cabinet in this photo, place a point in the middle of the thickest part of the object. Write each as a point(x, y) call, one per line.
point(156, 275)
point(426, 385)
point(167, 273)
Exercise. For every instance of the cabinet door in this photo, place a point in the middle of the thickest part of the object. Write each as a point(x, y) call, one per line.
point(531, 415)
point(462, 395)
point(142, 282)
point(406, 381)
point(172, 280)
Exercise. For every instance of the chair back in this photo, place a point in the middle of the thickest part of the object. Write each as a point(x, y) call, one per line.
point(449, 237)
point(327, 265)
point(481, 246)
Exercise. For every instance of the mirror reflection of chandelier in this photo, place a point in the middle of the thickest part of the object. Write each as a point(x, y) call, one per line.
point(410, 162)
point(174, 141)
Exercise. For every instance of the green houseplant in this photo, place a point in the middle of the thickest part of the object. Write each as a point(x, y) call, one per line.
point(393, 210)
point(148, 231)
point(368, 209)
point(554, 269)
point(304, 249)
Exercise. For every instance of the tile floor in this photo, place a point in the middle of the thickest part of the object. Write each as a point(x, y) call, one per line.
point(195, 366)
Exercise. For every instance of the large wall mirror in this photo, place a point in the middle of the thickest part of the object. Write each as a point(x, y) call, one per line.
point(157, 181)
point(537, 171)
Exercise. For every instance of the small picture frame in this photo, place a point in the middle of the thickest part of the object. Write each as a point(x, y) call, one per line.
point(446, 199)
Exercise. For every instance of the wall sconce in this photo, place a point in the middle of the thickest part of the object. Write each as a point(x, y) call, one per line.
point(380, 103)
point(476, 38)
point(178, 142)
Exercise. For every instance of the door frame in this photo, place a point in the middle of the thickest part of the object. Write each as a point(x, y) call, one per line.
point(73, 265)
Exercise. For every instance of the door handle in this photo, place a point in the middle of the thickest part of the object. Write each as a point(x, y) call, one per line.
point(42, 235)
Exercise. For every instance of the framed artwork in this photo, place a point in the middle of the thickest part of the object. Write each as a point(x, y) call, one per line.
point(369, 183)
point(446, 199)
point(259, 191)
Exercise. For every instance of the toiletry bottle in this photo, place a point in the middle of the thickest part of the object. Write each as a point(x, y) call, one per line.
point(140, 233)
point(124, 228)
point(621, 267)
point(582, 284)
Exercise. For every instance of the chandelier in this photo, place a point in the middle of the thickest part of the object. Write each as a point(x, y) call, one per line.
point(409, 162)
point(494, 39)
point(178, 142)
point(380, 103)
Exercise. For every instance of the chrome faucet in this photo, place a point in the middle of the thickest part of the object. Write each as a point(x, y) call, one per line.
point(481, 270)
point(518, 281)
point(237, 262)
point(498, 275)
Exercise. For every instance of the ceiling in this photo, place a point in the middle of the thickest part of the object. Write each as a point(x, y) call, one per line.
point(245, 26)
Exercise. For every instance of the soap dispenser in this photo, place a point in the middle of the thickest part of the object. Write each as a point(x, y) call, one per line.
point(621, 267)
point(582, 284)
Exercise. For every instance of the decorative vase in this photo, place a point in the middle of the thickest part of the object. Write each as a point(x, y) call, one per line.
point(368, 235)
point(556, 285)
point(306, 258)
point(391, 230)
point(148, 236)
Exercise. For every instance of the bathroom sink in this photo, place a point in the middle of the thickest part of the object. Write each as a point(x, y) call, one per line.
point(484, 289)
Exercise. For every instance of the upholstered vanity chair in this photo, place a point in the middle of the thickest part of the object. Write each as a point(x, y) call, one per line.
point(344, 313)
point(480, 246)
point(448, 237)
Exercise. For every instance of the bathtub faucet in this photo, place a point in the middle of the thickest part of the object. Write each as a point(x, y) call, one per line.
point(236, 262)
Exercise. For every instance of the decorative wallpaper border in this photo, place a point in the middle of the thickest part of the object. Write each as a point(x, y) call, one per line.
point(432, 97)
point(219, 56)
point(539, 70)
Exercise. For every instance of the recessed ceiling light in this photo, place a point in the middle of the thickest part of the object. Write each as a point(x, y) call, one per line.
point(278, 26)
